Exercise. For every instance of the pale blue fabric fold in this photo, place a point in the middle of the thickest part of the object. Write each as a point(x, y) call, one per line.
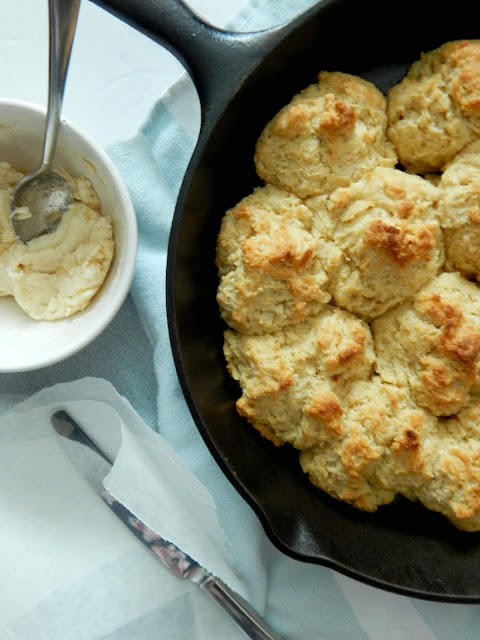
point(302, 601)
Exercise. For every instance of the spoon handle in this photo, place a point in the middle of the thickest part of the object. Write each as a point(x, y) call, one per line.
point(62, 16)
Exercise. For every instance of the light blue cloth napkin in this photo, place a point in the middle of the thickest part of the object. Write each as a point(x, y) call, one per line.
point(302, 601)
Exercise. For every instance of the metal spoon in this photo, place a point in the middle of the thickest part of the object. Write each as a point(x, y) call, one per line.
point(39, 200)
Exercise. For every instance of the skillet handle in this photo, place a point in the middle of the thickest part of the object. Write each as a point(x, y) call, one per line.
point(218, 61)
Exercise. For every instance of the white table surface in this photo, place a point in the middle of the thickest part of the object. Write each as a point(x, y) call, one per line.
point(116, 74)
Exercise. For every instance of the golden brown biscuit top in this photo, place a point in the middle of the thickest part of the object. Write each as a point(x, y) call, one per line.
point(329, 135)
point(432, 344)
point(462, 59)
point(270, 272)
point(434, 112)
point(386, 241)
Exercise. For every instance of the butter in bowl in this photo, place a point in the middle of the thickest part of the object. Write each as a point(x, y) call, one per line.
point(61, 290)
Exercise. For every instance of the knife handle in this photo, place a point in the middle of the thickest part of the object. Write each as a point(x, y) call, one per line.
point(249, 621)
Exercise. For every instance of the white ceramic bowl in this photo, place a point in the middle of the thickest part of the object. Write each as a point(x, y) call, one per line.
point(25, 343)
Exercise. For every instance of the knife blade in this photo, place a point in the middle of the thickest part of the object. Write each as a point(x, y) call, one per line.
point(94, 464)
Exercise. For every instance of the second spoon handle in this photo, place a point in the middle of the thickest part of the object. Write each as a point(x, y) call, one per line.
point(62, 19)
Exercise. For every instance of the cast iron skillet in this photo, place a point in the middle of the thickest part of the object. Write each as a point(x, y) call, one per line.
point(242, 80)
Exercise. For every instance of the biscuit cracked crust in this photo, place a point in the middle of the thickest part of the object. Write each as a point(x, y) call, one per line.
point(460, 215)
point(293, 379)
point(432, 344)
point(387, 241)
point(270, 270)
point(435, 111)
point(328, 136)
point(350, 290)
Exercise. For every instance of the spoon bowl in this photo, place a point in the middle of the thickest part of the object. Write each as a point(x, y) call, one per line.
point(37, 204)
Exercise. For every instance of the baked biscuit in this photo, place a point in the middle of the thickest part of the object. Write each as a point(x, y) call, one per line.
point(387, 242)
point(292, 380)
point(377, 452)
point(270, 270)
point(431, 345)
point(460, 211)
point(435, 111)
point(328, 136)
point(450, 478)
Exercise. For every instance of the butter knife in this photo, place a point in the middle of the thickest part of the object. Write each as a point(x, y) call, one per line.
point(95, 468)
